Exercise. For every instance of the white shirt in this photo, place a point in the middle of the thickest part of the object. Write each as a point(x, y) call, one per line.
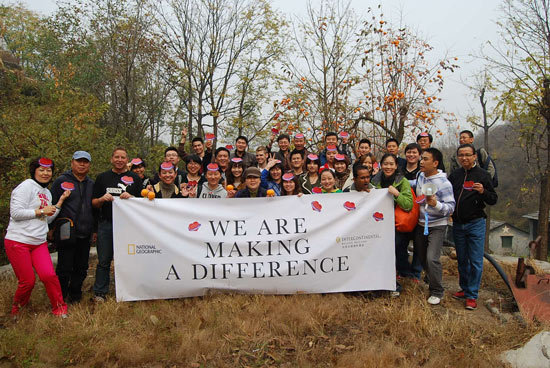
point(24, 226)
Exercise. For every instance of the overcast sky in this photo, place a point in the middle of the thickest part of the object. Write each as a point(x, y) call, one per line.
point(454, 28)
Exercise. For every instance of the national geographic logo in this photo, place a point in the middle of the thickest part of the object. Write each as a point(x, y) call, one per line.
point(143, 249)
point(355, 241)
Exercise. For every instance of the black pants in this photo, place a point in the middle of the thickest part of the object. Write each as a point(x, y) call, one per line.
point(72, 268)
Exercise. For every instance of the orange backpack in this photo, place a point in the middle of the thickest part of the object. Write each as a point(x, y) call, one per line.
point(405, 222)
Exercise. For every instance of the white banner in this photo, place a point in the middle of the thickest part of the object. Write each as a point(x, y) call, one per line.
point(323, 243)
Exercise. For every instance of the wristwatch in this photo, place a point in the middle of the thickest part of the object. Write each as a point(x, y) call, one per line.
point(41, 212)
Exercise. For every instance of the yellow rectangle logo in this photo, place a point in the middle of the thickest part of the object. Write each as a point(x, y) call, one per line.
point(131, 249)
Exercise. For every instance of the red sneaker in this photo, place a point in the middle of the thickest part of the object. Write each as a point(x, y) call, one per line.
point(14, 310)
point(459, 295)
point(471, 304)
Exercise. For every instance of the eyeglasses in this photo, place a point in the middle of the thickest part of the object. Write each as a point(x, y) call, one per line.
point(465, 155)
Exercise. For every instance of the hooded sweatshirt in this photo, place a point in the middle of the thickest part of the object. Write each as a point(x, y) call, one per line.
point(24, 226)
point(218, 192)
point(437, 216)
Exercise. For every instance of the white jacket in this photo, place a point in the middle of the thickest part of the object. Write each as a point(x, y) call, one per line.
point(24, 226)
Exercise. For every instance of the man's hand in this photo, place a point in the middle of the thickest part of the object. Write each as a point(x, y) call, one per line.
point(183, 135)
point(107, 197)
point(479, 188)
point(125, 195)
point(431, 201)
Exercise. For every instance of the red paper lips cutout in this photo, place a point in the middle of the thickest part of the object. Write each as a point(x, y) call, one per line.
point(317, 190)
point(127, 180)
point(194, 226)
point(378, 216)
point(350, 206)
point(229, 147)
point(469, 185)
point(210, 136)
point(420, 199)
point(45, 162)
point(67, 185)
point(316, 206)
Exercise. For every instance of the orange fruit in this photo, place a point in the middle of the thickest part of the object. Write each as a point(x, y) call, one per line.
point(151, 195)
point(229, 187)
point(270, 192)
point(144, 193)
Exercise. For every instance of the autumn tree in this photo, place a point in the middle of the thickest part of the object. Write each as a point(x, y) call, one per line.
point(225, 53)
point(368, 79)
point(401, 82)
point(320, 72)
point(520, 67)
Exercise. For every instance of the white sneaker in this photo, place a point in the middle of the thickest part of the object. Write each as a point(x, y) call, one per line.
point(99, 299)
point(434, 300)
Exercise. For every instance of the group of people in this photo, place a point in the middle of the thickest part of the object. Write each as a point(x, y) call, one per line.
point(78, 210)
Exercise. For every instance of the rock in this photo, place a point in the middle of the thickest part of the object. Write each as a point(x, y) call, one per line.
point(535, 354)
point(154, 319)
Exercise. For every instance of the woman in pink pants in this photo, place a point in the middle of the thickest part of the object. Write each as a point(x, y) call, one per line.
point(31, 210)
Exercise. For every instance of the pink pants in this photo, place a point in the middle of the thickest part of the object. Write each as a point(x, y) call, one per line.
point(25, 257)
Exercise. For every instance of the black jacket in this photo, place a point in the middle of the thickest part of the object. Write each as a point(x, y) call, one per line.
point(469, 203)
point(245, 193)
point(78, 206)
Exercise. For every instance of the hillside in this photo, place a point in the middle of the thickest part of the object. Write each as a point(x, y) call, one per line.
point(518, 191)
point(332, 330)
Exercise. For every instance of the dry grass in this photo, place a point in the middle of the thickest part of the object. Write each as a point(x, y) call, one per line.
point(256, 331)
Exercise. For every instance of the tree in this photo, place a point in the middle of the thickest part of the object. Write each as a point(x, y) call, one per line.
point(320, 72)
point(369, 81)
point(483, 85)
point(401, 84)
point(520, 67)
point(225, 53)
point(118, 57)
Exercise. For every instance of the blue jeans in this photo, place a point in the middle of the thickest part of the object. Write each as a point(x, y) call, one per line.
point(404, 268)
point(104, 257)
point(469, 243)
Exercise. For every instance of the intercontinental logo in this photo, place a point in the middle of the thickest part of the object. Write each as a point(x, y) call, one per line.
point(356, 241)
point(143, 249)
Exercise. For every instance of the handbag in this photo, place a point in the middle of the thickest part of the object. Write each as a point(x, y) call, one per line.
point(64, 232)
point(405, 222)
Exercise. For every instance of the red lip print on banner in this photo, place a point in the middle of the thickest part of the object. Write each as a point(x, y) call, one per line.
point(378, 216)
point(194, 226)
point(316, 206)
point(350, 206)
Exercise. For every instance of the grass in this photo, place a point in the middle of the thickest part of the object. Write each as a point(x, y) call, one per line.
point(343, 330)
